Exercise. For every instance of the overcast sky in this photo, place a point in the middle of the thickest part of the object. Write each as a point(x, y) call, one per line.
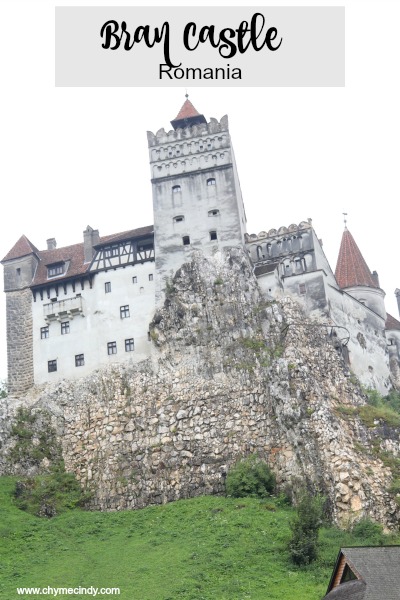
point(72, 157)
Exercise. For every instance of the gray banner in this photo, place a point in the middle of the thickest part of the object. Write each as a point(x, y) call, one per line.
point(235, 46)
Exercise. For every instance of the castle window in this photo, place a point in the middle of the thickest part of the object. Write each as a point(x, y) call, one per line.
point(134, 279)
point(18, 271)
point(179, 219)
point(150, 276)
point(111, 251)
point(213, 236)
point(129, 345)
point(213, 213)
point(44, 332)
point(302, 288)
point(124, 311)
point(64, 327)
point(56, 269)
point(79, 360)
point(52, 366)
point(107, 287)
point(176, 189)
point(211, 181)
point(186, 240)
point(112, 348)
point(391, 342)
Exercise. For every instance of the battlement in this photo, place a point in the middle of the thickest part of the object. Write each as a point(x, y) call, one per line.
point(272, 233)
point(200, 130)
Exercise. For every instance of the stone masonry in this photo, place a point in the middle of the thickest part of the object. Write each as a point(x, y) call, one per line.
point(232, 373)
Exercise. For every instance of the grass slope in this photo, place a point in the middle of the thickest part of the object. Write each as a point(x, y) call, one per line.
point(208, 548)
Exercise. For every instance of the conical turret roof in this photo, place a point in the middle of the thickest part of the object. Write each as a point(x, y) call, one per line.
point(351, 268)
point(187, 116)
point(23, 247)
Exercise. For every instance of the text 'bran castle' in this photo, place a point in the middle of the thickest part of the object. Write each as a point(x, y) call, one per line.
point(74, 309)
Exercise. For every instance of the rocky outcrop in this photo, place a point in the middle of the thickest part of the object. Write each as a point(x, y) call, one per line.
point(232, 373)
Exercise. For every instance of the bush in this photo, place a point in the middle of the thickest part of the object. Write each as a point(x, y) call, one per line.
point(368, 531)
point(250, 477)
point(303, 546)
point(51, 494)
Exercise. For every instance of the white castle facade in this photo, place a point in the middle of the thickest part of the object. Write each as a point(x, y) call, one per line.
point(71, 310)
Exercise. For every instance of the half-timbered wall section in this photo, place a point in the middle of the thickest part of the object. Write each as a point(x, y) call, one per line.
point(124, 253)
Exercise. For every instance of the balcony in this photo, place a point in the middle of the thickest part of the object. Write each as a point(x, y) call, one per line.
point(57, 310)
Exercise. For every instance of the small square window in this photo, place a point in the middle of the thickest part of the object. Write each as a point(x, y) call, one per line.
point(302, 288)
point(107, 287)
point(134, 279)
point(211, 181)
point(186, 240)
point(129, 345)
point(151, 277)
point(213, 235)
point(112, 348)
point(64, 327)
point(52, 366)
point(44, 332)
point(176, 189)
point(79, 360)
point(124, 311)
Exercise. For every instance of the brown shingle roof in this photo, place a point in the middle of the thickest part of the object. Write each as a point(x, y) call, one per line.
point(126, 235)
point(74, 255)
point(21, 248)
point(351, 268)
point(392, 323)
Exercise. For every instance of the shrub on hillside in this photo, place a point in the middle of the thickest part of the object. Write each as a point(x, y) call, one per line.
point(368, 531)
point(303, 545)
point(50, 494)
point(250, 476)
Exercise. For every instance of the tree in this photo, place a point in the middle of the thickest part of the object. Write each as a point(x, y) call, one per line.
point(3, 389)
point(305, 526)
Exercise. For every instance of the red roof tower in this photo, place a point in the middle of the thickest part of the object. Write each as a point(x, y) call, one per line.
point(187, 116)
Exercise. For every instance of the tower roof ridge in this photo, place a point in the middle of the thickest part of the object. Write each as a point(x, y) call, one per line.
point(351, 267)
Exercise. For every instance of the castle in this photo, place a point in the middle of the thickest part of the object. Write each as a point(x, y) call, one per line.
point(71, 310)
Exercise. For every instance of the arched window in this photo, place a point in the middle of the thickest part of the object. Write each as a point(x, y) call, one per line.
point(176, 189)
point(211, 181)
point(179, 219)
point(213, 213)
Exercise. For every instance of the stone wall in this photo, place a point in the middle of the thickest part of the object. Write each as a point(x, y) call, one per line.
point(231, 374)
point(19, 341)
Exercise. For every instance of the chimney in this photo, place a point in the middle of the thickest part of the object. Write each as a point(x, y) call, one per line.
point(375, 277)
point(397, 294)
point(51, 244)
point(91, 237)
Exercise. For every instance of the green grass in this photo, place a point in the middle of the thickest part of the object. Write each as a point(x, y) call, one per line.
point(208, 548)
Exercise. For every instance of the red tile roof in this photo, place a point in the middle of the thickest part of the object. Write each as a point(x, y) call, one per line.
point(187, 111)
point(392, 323)
point(74, 254)
point(21, 248)
point(351, 268)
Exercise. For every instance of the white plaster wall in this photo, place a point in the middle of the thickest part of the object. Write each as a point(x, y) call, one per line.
point(100, 324)
point(194, 202)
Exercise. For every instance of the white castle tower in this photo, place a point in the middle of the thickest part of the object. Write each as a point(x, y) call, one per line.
point(197, 200)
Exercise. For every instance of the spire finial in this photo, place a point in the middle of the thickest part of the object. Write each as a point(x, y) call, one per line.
point(186, 95)
point(345, 220)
